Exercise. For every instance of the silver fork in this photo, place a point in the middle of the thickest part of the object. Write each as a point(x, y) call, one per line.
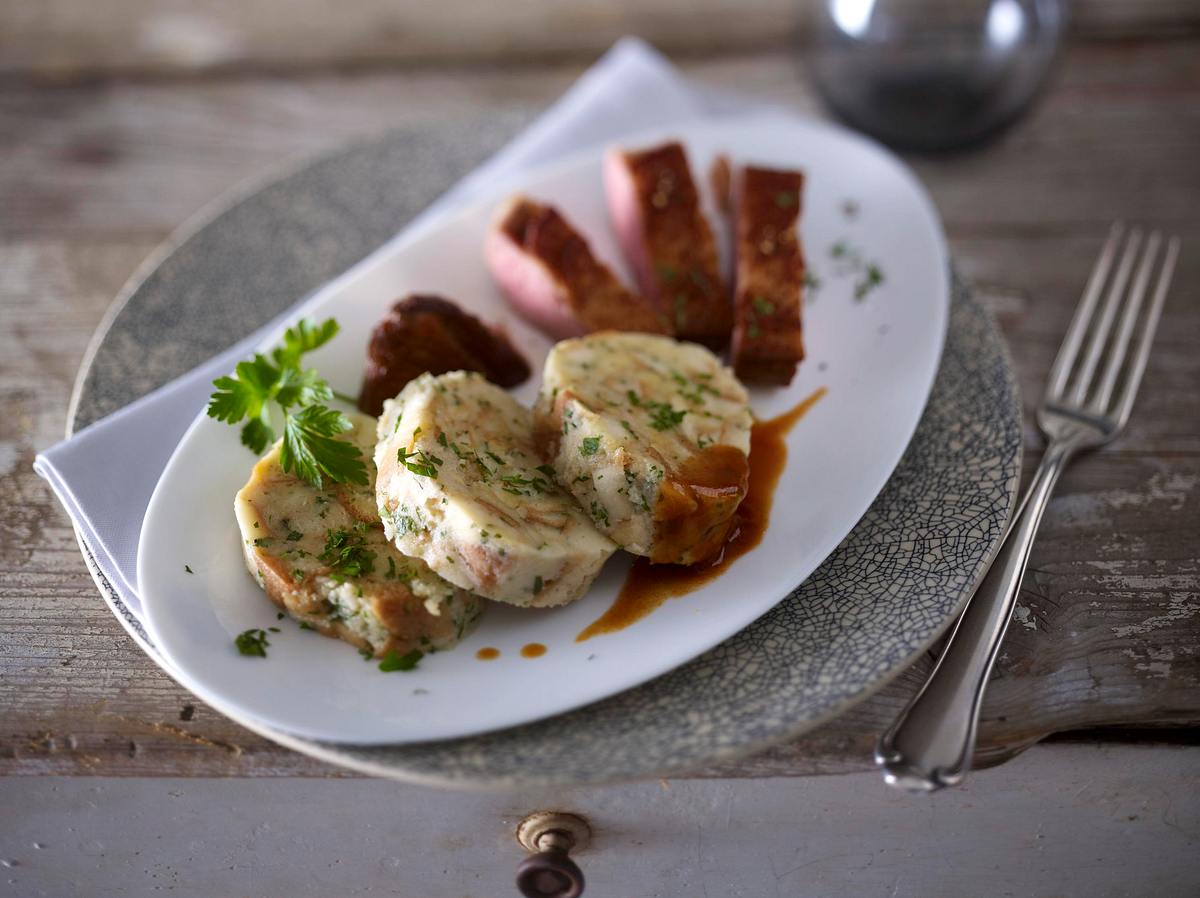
point(931, 743)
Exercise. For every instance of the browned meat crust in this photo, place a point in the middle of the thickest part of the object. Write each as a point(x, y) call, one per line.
point(681, 246)
point(428, 333)
point(767, 335)
point(596, 297)
point(720, 179)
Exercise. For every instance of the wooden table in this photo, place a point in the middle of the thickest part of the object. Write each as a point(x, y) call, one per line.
point(94, 175)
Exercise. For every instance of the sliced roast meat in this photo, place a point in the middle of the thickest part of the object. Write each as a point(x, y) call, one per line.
point(430, 334)
point(767, 335)
point(656, 214)
point(552, 278)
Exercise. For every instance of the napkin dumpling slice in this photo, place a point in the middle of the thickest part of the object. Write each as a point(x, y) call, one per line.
point(322, 556)
point(462, 486)
point(651, 436)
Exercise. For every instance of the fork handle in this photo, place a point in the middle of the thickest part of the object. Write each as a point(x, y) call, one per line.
point(930, 744)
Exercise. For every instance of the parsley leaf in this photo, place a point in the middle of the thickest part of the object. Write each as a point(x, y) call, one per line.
point(310, 450)
point(298, 387)
point(252, 643)
point(302, 337)
point(393, 660)
point(257, 435)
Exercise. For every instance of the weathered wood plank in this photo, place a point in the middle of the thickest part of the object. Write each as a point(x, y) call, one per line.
point(73, 38)
point(1117, 137)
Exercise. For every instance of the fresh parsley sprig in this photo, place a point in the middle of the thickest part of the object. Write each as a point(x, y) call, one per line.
point(311, 449)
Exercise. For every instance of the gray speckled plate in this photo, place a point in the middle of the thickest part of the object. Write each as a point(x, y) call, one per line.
point(880, 599)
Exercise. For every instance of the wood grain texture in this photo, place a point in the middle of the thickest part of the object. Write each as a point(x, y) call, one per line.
point(70, 39)
point(92, 177)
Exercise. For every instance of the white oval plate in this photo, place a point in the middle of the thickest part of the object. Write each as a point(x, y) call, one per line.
point(877, 358)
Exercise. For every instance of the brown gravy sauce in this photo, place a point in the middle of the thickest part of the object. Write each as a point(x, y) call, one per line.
point(649, 585)
point(533, 650)
point(487, 653)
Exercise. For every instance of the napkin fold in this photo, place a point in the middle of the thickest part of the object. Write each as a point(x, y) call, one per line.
point(105, 474)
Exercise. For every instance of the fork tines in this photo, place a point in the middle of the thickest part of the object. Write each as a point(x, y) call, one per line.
point(1073, 385)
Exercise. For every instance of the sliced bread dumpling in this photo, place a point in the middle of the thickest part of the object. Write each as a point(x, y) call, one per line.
point(461, 485)
point(651, 436)
point(322, 557)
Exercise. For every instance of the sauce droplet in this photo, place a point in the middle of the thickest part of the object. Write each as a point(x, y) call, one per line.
point(649, 585)
point(487, 654)
point(533, 650)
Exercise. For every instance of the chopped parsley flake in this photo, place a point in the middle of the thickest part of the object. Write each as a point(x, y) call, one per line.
point(663, 417)
point(763, 306)
point(872, 278)
point(515, 484)
point(537, 585)
point(346, 553)
point(599, 512)
point(785, 199)
point(393, 660)
point(252, 643)
point(590, 446)
point(188, 569)
point(421, 463)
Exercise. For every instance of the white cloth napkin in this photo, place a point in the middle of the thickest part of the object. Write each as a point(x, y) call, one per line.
point(105, 474)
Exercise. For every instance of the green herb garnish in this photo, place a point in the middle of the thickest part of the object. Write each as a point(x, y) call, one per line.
point(590, 446)
point(252, 643)
point(393, 660)
point(188, 569)
point(346, 553)
point(871, 279)
point(310, 450)
point(663, 417)
point(421, 463)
